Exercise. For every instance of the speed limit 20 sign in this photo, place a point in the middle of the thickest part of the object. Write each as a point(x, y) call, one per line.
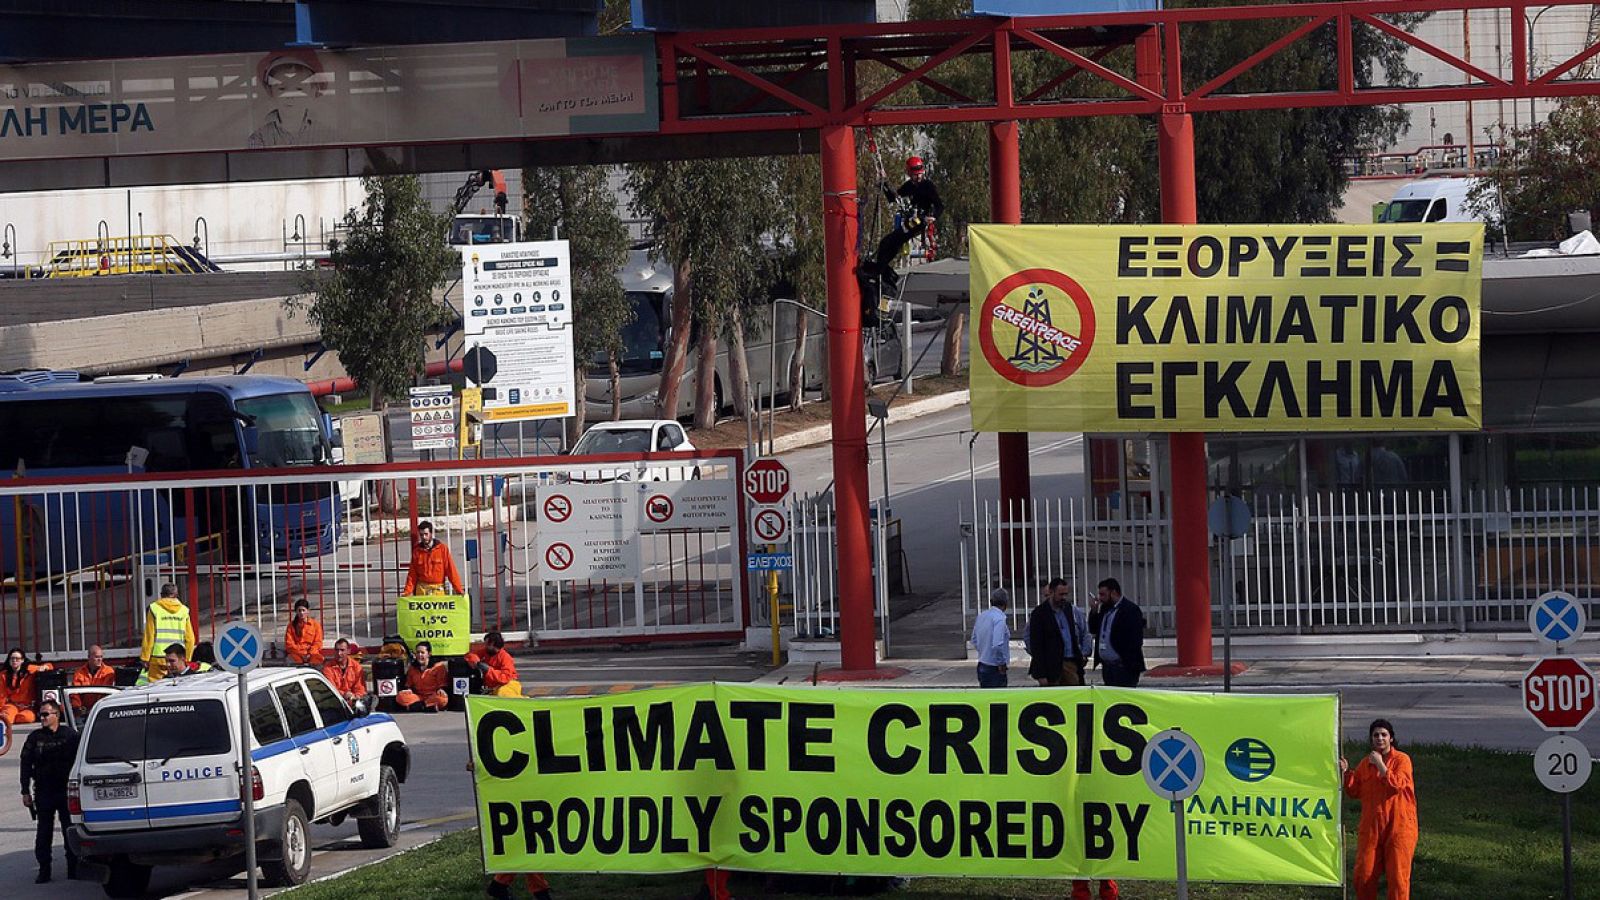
point(766, 482)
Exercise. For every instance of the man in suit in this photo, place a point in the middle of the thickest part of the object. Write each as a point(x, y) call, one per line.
point(1118, 628)
point(1057, 639)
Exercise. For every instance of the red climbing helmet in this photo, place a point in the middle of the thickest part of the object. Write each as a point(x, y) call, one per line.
point(913, 164)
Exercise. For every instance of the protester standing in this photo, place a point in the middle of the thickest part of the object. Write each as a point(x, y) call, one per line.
point(432, 566)
point(991, 638)
point(1386, 839)
point(47, 758)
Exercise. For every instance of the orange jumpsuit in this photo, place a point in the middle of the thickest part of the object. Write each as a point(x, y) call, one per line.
point(536, 882)
point(1387, 835)
point(17, 700)
point(501, 679)
point(82, 677)
point(347, 679)
point(426, 686)
point(1108, 889)
point(303, 644)
point(430, 569)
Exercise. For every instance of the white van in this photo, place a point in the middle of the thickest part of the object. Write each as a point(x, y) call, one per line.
point(1433, 200)
point(156, 780)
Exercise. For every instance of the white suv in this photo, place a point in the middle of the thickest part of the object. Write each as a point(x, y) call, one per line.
point(156, 781)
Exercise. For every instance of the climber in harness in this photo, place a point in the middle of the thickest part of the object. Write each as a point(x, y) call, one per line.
point(920, 208)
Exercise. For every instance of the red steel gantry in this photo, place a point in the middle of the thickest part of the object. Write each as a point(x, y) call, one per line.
point(836, 78)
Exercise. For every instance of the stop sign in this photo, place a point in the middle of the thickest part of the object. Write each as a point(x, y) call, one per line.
point(1559, 692)
point(766, 481)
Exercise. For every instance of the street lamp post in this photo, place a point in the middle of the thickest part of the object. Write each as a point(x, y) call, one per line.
point(7, 252)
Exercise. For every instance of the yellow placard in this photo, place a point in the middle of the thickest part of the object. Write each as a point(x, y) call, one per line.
point(443, 620)
point(1028, 783)
point(528, 411)
point(1226, 327)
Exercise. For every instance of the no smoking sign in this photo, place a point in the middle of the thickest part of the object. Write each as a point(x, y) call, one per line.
point(557, 508)
point(769, 525)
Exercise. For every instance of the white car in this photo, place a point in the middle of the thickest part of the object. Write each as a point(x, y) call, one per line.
point(632, 436)
point(157, 782)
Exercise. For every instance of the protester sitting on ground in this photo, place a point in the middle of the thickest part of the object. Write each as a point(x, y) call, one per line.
point(302, 637)
point(93, 673)
point(498, 669)
point(425, 682)
point(431, 566)
point(345, 671)
point(19, 693)
point(1386, 839)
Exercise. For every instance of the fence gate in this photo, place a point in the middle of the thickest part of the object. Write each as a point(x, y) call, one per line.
point(83, 557)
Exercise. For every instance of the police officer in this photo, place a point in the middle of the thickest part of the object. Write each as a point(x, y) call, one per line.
point(47, 759)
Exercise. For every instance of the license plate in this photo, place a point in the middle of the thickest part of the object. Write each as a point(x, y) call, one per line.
point(116, 793)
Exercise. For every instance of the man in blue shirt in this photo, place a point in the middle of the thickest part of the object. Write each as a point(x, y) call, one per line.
point(991, 638)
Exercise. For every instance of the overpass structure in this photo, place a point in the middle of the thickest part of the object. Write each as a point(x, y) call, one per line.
point(319, 108)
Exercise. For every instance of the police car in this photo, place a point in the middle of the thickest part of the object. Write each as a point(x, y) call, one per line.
point(156, 781)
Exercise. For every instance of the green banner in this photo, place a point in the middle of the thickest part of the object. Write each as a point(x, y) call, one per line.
point(1041, 783)
point(443, 620)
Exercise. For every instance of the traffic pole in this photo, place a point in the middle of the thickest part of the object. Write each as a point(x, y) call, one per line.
point(1005, 208)
point(857, 636)
point(1566, 847)
point(1191, 580)
point(247, 793)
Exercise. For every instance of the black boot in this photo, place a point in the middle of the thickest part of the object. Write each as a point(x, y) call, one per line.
point(497, 890)
point(44, 874)
point(543, 895)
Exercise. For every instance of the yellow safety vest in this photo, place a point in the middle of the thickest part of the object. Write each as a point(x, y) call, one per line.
point(171, 628)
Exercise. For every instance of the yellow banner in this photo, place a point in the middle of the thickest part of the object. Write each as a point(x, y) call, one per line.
point(1226, 327)
point(443, 620)
point(1036, 783)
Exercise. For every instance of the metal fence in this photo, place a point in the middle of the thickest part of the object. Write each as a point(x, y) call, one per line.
point(83, 557)
point(812, 586)
point(1340, 561)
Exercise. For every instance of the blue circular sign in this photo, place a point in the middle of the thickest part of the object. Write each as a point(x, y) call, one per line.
point(1173, 765)
point(1250, 759)
point(239, 647)
point(1557, 618)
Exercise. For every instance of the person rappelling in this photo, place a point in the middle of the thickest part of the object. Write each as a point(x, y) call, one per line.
point(919, 208)
point(923, 208)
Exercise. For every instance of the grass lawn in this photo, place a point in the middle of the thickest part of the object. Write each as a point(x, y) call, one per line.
point(1489, 832)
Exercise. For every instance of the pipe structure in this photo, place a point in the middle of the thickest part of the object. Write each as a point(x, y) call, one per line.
point(1190, 575)
point(1005, 207)
point(857, 634)
point(347, 384)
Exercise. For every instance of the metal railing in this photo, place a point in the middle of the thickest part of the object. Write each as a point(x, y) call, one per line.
point(1328, 562)
point(81, 558)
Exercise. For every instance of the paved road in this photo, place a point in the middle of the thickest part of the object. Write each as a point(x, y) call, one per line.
point(930, 485)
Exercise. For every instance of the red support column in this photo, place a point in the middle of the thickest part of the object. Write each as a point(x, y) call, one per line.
point(1191, 580)
point(857, 634)
point(1005, 207)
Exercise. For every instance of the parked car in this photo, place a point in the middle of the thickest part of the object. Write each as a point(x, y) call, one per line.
point(156, 780)
point(632, 436)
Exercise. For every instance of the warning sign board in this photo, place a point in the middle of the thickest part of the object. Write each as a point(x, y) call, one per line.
point(769, 525)
point(589, 531)
point(433, 418)
point(517, 308)
point(706, 505)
